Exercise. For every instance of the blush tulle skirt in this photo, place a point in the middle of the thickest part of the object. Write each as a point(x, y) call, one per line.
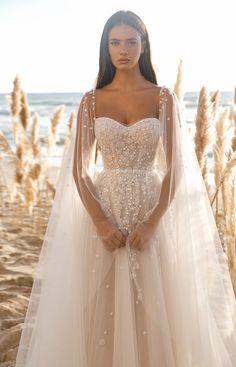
point(167, 306)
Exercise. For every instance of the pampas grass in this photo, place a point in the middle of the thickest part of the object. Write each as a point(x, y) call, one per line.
point(215, 101)
point(15, 105)
point(219, 147)
point(35, 145)
point(15, 98)
point(177, 87)
point(24, 111)
point(28, 184)
point(51, 188)
point(215, 136)
point(71, 120)
point(233, 143)
point(203, 135)
point(32, 190)
point(52, 132)
point(68, 135)
point(225, 174)
point(30, 194)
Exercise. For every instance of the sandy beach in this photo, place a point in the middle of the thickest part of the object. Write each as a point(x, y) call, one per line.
point(21, 238)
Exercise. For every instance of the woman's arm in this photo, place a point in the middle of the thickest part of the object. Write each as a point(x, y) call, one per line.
point(169, 183)
point(110, 235)
point(81, 176)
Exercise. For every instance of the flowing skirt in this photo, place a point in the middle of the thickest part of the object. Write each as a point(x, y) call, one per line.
point(93, 308)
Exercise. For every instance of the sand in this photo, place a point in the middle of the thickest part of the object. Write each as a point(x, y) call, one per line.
point(21, 238)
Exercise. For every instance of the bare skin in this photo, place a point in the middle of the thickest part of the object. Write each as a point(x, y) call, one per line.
point(127, 99)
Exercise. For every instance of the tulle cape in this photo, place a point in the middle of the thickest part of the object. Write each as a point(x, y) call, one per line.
point(66, 310)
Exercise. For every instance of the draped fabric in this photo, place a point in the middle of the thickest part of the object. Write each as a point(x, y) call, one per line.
point(169, 305)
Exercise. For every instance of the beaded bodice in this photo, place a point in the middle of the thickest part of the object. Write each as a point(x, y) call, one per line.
point(127, 146)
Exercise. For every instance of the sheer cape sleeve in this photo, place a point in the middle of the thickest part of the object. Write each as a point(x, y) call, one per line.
point(185, 236)
point(194, 253)
point(84, 168)
point(179, 288)
point(169, 145)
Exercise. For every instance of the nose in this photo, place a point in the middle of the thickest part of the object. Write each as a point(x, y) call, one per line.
point(123, 49)
point(124, 52)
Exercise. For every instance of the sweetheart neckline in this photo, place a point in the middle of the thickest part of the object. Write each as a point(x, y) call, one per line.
point(127, 125)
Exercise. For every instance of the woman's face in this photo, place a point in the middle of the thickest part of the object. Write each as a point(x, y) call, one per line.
point(125, 46)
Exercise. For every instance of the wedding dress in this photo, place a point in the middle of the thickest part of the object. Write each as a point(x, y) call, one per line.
point(170, 305)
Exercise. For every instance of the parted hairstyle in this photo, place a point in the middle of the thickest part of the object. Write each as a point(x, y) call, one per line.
point(106, 68)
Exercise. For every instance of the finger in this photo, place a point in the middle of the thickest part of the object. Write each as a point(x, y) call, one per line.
point(121, 239)
point(141, 246)
point(131, 236)
point(134, 242)
point(130, 239)
point(109, 243)
point(116, 242)
point(108, 247)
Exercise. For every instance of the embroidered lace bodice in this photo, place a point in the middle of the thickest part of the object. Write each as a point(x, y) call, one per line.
point(127, 146)
point(127, 185)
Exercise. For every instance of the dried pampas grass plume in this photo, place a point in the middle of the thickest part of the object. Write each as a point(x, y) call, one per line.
point(34, 137)
point(215, 101)
point(24, 112)
point(19, 151)
point(19, 170)
point(30, 194)
point(233, 143)
point(15, 98)
point(52, 133)
point(219, 146)
point(71, 120)
point(19, 176)
point(203, 135)
point(50, 187)
point(232, 115)
point(35, 171)
point(67, 138)
point(15, 105)
point(4, 145)
point(231, 164)
point(177, 86)
point(56, 117)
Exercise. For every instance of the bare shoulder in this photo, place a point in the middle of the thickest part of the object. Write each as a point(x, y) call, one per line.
point(110, 90)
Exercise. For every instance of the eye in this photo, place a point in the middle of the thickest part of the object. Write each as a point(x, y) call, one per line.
point(114, 43)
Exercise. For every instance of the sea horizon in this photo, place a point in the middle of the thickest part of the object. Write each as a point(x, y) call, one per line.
point(45, 103)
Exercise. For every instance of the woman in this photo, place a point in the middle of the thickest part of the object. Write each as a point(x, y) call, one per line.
point(132, 271)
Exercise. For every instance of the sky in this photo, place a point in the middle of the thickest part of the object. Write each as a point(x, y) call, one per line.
point(53, 45)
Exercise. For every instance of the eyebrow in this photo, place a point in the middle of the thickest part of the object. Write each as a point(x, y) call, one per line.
point(128, 39)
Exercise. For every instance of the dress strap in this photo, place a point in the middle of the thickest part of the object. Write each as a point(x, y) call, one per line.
point(93, 104)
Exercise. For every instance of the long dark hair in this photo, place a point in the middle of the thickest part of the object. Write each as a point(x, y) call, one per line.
point(106, 68)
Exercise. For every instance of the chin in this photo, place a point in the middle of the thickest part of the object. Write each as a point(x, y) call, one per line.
point(124, 67)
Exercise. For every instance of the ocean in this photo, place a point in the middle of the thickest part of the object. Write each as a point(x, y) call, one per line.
point(45, 103)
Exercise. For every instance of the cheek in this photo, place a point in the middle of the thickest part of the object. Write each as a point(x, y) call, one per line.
point(136, 52)
point(112, 52)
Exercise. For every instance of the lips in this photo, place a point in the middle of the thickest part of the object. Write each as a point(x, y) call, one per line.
point(123, 60)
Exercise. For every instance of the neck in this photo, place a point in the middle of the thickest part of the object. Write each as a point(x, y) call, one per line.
point(127, 80)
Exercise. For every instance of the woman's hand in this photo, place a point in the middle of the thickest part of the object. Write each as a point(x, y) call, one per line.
point(141, 235)
point(110, 235)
